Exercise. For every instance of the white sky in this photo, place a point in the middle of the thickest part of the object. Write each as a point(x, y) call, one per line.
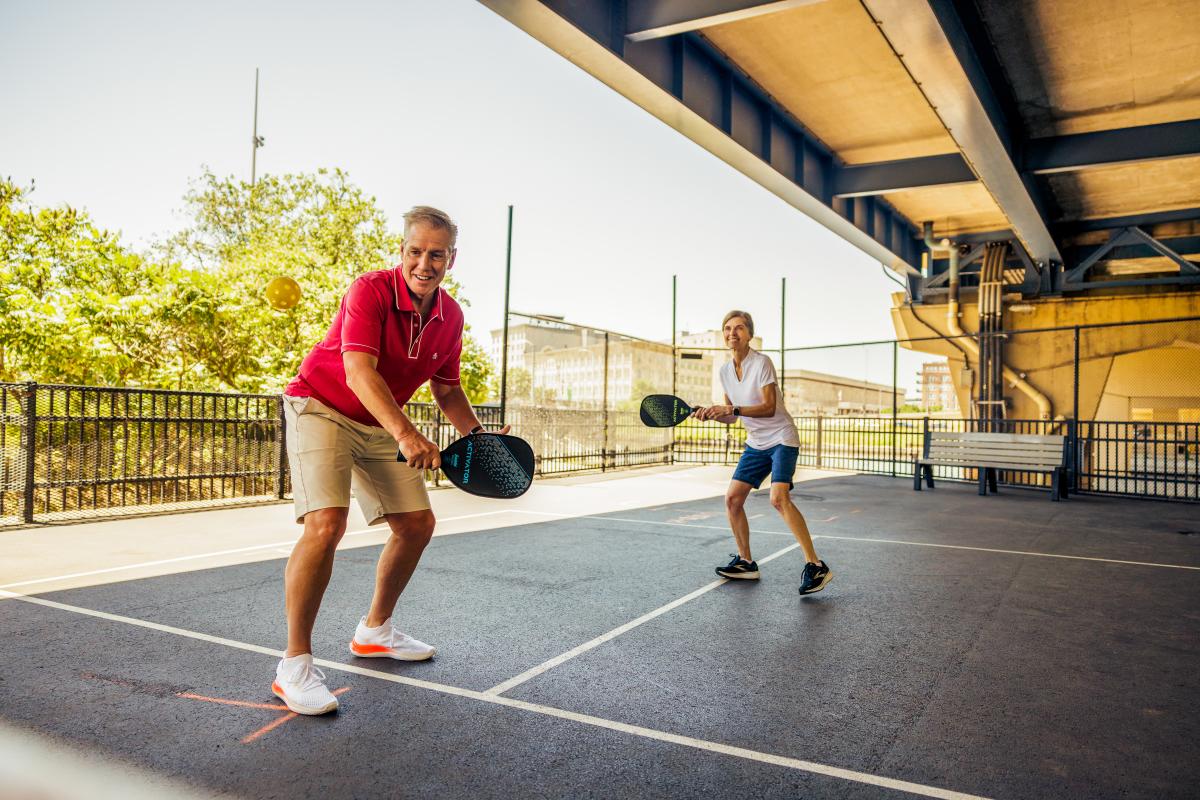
point(115, 106)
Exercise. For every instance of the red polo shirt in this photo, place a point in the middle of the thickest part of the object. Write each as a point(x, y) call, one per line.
point(377, 317)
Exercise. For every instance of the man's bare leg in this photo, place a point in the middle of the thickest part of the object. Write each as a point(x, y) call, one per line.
point(307, 574)
point(411, 531)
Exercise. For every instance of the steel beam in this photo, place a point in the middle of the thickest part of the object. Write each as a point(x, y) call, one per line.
point(1044, 156)
point(1118, 146)
point(862, 180)
point(1147, 245)
point(656, 19)
point(932, 42)
point(1190, 280)
point(1140, 220)
point(691, 86)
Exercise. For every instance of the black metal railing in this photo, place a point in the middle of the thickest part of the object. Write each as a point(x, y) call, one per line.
point(78, 451)
point(1139, 459)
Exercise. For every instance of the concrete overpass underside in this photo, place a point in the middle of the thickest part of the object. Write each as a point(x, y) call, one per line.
point(1024, 164)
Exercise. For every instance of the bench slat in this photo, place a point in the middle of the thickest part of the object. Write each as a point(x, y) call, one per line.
point(992, 448)
point(1039, 466)
point(963, 436)
point(1019, 455)
point(997, 447)
point(983, 448)
point(993, 465)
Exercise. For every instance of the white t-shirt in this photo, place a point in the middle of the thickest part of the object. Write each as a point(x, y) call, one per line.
point(757, 372)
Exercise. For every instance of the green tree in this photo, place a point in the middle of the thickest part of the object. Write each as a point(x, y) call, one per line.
point(519, 385)
point(319, 229)
point(76, 306)
point(641, 388)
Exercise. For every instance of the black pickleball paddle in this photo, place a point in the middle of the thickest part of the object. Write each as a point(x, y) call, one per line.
point(488, 464)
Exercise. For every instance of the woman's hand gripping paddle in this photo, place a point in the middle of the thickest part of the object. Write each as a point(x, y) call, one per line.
point(664, 411)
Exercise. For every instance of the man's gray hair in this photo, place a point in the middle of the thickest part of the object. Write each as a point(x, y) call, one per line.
point(744, 315)
point(430, 216)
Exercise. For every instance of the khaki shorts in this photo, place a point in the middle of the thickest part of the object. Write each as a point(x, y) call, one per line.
point(328, 452)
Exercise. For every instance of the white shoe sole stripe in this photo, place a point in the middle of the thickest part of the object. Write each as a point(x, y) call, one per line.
point(395, 654)
point(311, 711)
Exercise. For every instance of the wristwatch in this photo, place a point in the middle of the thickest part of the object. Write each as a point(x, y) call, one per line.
point(737, 412)
point(476, 429)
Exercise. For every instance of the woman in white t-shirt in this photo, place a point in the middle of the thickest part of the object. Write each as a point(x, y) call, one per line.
point(772, 445)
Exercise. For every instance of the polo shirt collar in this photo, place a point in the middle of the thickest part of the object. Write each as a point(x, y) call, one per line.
point(404, 302)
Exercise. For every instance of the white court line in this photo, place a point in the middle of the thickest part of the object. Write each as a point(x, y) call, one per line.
point(895, 541)
point(545, 666)
point(1007, 552)
point(251, 548)
point(647, 522)
point(535, 708)
point(147, 564)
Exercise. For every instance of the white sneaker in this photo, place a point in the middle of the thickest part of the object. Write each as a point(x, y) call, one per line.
point(387, 641)
point(301, 686)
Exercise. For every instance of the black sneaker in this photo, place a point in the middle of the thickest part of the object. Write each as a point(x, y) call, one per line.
point(739, 569)
point(815, 577)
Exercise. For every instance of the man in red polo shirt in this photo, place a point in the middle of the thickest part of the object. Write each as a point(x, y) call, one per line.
point(395, 330)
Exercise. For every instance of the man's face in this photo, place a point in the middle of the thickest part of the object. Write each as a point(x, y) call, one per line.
point(736, 334)
point(427, 257)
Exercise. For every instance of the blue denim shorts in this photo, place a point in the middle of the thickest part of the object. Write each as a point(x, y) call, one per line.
point(779, 462)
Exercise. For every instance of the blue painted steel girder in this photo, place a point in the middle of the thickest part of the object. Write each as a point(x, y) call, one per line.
point(1130, 220)
point(1041, 156)
point(1117, 146)
point(861, 180)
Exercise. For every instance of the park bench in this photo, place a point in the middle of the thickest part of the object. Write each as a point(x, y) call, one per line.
point(988, 452)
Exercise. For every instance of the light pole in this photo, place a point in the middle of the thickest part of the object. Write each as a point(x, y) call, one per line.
point(256, 140)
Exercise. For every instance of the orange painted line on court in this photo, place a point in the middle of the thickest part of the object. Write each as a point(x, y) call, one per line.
point(224, 702)
point(264, 730)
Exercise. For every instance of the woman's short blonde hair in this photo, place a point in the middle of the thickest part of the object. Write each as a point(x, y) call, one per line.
point(744, 315)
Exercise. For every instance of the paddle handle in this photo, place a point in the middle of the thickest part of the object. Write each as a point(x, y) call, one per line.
point(400, 456)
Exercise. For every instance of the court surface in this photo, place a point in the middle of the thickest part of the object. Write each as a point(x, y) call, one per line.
point(1002, 647)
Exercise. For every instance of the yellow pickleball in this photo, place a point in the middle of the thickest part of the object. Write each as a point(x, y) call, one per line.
point(282, 293)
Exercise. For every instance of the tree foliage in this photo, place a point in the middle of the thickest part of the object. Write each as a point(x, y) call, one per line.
point(76, 306)
point(79, 307)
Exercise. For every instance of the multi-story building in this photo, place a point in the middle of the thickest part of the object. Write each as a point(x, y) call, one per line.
point(564, 366)
point(575, 376)
point(937, 387)
point(529, 337)
point(807, 393)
